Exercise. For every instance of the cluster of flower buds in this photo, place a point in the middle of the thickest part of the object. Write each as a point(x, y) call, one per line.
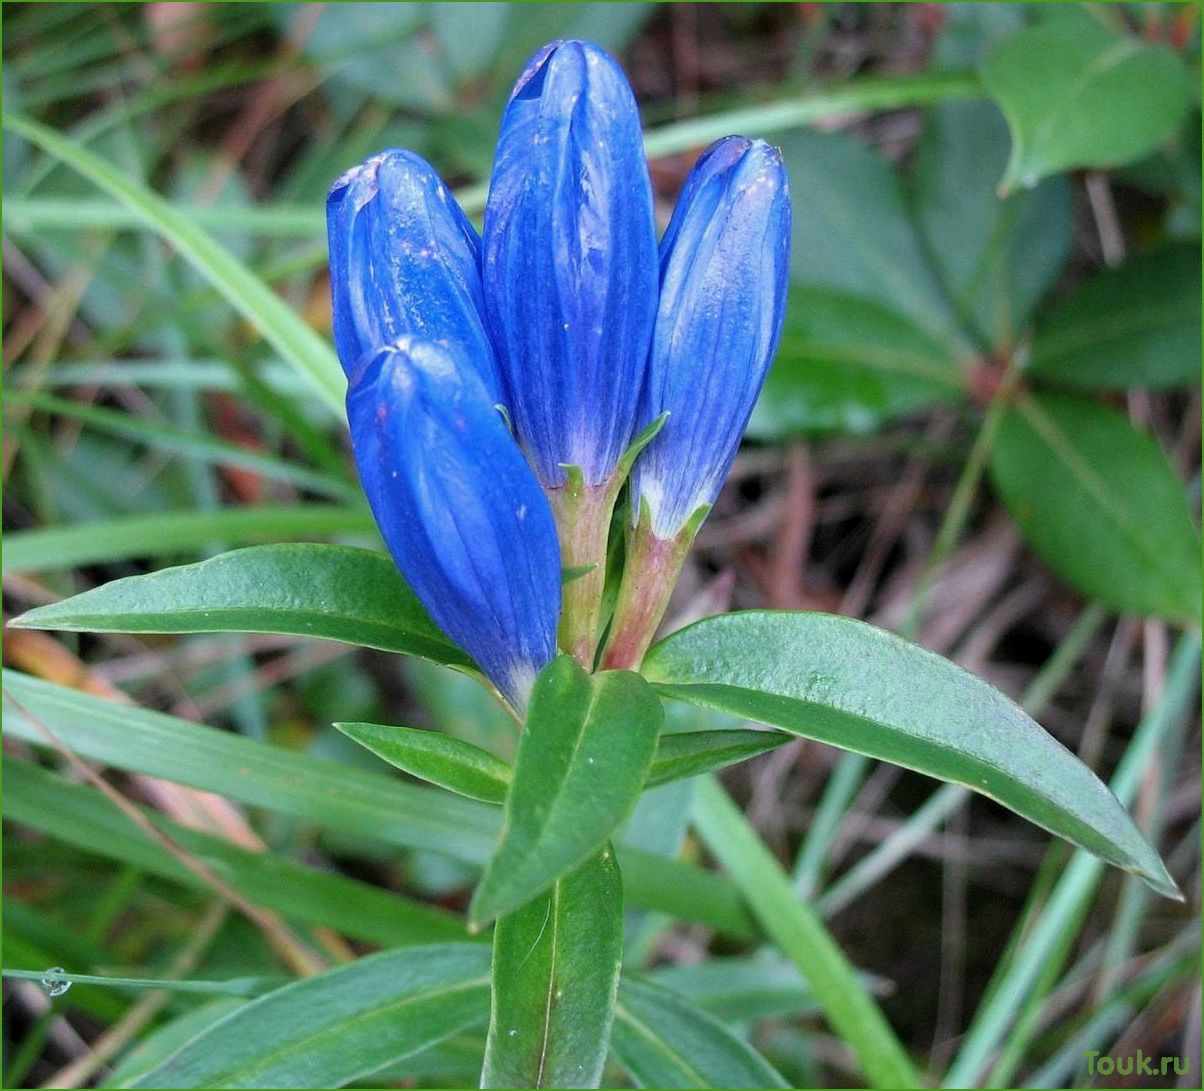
point(606, 361)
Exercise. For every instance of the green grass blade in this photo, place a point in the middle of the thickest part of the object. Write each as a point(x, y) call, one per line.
point(797, 930)
point(868, 94)
point(82, 817)
point(195, 445)
point(245, 292)
point(31, 215)
point(251, 772)
point(232, 986)
point(1077, 884)
point(136, 536)
point(331, 795)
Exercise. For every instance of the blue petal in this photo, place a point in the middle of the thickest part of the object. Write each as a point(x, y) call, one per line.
point(570, 261)
point(724, 267)
point(459, 509)
point(403, 259)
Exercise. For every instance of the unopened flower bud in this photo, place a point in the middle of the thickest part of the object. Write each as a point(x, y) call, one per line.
point(459, 509)
point(570, 261)
point(724, 267)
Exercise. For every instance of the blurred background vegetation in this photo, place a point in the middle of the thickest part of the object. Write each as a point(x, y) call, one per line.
point(982, 431)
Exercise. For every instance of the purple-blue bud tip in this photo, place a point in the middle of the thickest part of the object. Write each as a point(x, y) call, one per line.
point(404, 259)
point(723, 272)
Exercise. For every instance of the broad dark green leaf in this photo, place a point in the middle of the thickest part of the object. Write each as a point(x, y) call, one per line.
point(439, 759)
point(853, 231)
point(996, 257)
point(328, 1030)
point(969, 32)
point(1077, 95)
point(168, 532)
point(1100, 504)
point(693, 752)
point(849, 364)
point(81, 816)
point(302, 589)
point(665, 1041)
point(555, 971)
point(860, 688)
point(1134, 326)
point(582, 760)
point(331, 795)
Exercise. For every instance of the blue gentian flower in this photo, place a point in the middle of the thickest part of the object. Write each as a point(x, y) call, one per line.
point(460, 510)
point(570, 261)
point(723, 270)
point(403, 259)
point(562, 315)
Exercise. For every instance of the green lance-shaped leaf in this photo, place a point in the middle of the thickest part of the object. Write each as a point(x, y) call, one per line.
point(328, 1030)
point(555, 972)
point(1100, 504)
point(665, 1041)
point(1077, 95)
point(451, 763)
point(301, 589)
point(583, 757)
point(996, 258)
point(471, 771)
point(691, 753)
point(857, 687)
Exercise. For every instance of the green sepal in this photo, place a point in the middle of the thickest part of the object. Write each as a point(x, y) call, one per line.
point(644, 437)
point(575, 572)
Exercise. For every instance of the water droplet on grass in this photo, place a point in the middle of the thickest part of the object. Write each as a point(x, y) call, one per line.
point(53, 986)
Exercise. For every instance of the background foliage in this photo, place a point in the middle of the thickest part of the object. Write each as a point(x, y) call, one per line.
point(982, 431)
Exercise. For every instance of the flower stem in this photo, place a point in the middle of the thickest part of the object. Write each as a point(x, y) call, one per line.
point(583, 513)
point(649, 575)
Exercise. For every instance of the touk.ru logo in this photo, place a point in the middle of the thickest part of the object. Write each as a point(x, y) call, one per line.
point(1139, 1064)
